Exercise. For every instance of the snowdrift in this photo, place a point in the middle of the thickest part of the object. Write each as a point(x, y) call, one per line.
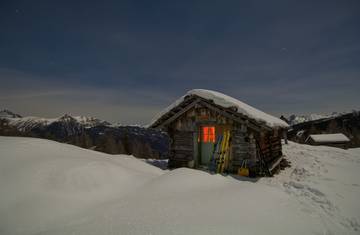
point(52, 188)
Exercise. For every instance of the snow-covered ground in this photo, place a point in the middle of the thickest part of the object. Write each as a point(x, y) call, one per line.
point(52, 188)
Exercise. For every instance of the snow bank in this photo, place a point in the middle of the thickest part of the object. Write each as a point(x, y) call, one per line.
point(52, 188)
point(43, 181)
point(227, 101)
point(325, 180)
point(329, 138)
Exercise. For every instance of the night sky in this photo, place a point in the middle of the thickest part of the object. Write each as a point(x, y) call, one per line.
point(123, 61)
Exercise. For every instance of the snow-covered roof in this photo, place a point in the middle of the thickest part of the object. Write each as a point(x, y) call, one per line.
point(227, 101)
point(329, 138)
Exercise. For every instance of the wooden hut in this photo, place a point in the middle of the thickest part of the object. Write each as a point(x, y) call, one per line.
point(195, 121)
point(338, 140)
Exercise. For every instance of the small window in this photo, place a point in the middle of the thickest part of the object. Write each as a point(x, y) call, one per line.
point(208, 134)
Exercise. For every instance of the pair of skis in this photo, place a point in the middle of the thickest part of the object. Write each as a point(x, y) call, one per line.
point(264, 167)
point(216, 153)
point(220, 158)
point(223, 159)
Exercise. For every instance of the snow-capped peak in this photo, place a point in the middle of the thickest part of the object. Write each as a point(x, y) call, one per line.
point(8, 114)
point(90, 121)
point(296, 119)
point(27, 123)
point(66, 117)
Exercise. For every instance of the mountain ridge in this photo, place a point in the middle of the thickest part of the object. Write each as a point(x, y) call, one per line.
point(88, 132)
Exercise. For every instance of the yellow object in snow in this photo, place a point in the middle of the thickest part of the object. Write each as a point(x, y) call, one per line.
point(243, 170)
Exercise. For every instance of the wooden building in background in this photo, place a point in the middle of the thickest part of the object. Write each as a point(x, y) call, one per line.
point(338, 140)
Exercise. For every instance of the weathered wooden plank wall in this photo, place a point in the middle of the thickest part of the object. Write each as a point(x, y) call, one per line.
point(182, 149)
point(243, 148)
point(270, 145)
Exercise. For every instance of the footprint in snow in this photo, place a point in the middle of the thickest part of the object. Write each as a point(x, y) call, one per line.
point(310, 195)
point(351, 223)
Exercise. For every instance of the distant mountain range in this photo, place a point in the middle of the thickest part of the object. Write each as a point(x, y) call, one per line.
point(296, 119)
point(28, 123)
point(88, 132)
point(96, 134)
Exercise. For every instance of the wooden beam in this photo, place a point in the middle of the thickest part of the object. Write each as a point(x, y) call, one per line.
point(275, 163)
point(231, 111)
point(175, 116)
point(231, 116)
point(240, 117)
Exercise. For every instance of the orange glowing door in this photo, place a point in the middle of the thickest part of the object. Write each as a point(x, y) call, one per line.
point(207, 143)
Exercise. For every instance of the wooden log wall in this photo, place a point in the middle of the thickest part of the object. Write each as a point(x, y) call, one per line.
point(181, 149)
point(239, 149)
point(183, 152)
point(270, 145)
point(243, 147)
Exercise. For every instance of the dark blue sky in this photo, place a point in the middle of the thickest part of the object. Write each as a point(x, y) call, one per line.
point(125, 60)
